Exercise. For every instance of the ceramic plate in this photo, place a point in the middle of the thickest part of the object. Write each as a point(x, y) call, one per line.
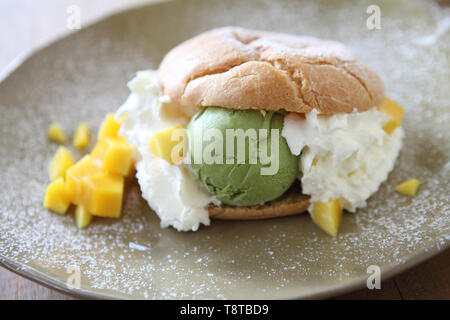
point(83, 76)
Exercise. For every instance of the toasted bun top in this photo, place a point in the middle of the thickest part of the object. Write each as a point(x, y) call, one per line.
point(238, 68)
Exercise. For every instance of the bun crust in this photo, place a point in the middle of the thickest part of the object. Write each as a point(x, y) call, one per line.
point(238, 68)
point(289, 204)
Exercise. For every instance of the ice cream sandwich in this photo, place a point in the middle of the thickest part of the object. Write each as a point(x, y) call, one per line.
point(245, 124)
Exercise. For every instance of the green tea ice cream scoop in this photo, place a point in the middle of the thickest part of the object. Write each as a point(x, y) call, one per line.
point(240, 155)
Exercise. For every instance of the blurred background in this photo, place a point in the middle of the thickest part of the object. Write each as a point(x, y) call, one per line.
point(27, 24)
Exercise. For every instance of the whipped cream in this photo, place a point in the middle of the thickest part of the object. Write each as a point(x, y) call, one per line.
point(343, 156)
point(172, 191)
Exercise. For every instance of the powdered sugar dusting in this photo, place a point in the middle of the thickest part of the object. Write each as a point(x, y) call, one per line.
point(84, 76)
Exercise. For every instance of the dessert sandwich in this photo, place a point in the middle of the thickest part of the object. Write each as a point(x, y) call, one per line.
point(245, 124)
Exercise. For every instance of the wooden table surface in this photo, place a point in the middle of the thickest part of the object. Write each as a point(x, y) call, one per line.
point(27, 24)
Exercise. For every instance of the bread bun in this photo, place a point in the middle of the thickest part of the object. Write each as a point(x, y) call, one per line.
point(288, 204)
point(237, 68)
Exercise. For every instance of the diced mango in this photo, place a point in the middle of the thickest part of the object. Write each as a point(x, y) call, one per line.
point(62, 160)
point(81, 136)
point(76, 175)
point(82, 217)
point(114, 155)
point(408, 188)
point(169, 144)
point(56, 197)
point(56, 134)
point(327, 215)
point(103, 194)
point(95, 183)
point(109, 128)
point(99, 191)
point(394, 111)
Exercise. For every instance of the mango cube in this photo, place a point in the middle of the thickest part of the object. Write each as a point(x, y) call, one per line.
point(62, 160)
point(109, 128)
point(114, 155)
point(103, 194)
point(169, 144)
point(82, 217)
point(77, 174)
point(394, 111)
point(327, 215)
point(99, 191)
point(81, 136)
point(408, 188)
point(56, 134)
point(56, 197)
